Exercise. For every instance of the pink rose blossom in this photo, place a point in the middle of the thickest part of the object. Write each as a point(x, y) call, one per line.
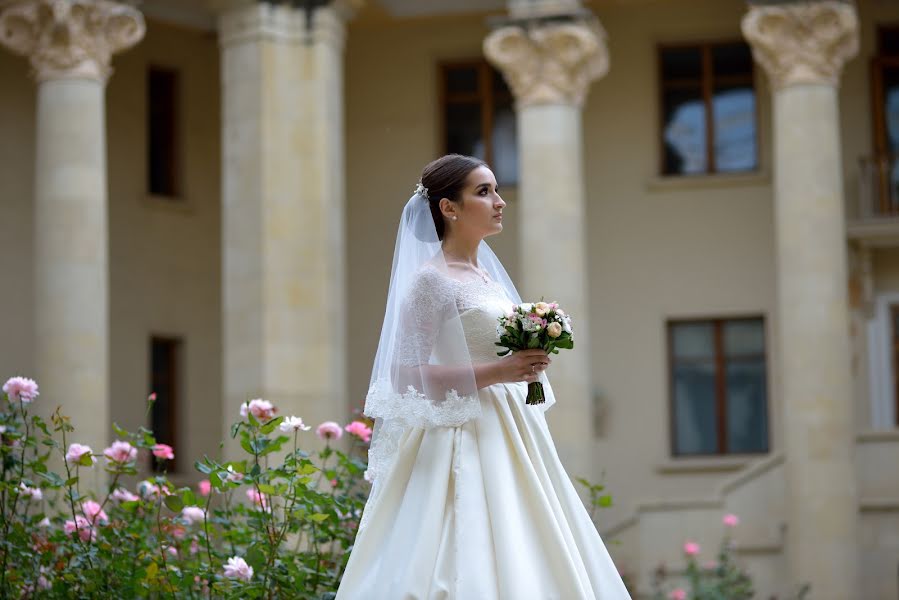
point(170, 550)
point(731, 520)
point(148, 489)
point(163, 451)
point(45, 522)
point(333, 483)
point(261, 409)
point(152, 397)
point(329, 430)
point(678, 594)
point(34, 494)
point(76, 451)
point(238, 568)
point(205, 487)
point(359, 429)
point(193, 514)
point(83, 527)
point(691, 548)
point(42, 583)
point(120, 453)
point(123, 495)
point(94, 512)
point(21, 388)
point(258, 498)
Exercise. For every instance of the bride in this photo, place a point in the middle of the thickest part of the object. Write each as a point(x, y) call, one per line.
point(469, 499)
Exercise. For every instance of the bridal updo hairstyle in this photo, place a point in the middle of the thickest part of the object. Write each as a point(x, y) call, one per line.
point(445, 178)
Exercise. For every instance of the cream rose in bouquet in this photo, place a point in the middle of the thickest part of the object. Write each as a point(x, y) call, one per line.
point(531, 326)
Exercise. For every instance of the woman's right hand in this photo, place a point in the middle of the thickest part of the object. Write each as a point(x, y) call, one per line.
point(523, 365)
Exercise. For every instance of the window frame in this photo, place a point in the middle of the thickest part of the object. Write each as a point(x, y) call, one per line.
point(720, 383)
point(707, 83)
point(486, 97)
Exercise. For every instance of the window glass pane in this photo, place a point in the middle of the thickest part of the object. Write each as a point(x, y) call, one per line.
point(684, 131)
point(500, 88)
point(462, 80)
point(735, 128)
point(505, 148)
point(463, 129)
point(164, 383)
point(747, 406)
point(744, 337)
point(693, 340)
point(694, 409)
point(682, 63)
point(889, 41)
point(162, 88)
point(732, 59)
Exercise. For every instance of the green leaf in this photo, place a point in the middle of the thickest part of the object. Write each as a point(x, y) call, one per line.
point(245, 444)
point(605, 501)
point(270, 426)
point(86, 460)
point(39, 467)
point(119, 431)
point(202, 468)
point(188, 497)
point(318, 517)
point(307, 469)
point(152, 570)
point(174, 503)
point(53, 478)
point(71, 481)
point(266, 488)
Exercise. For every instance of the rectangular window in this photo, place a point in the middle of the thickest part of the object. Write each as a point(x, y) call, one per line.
point(880, 174)
point(708, 106)
point(165, 382)
point(718, 375)
point(479, 118)
point(163, 159)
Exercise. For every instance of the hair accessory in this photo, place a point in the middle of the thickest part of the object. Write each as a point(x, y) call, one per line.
point(421, 190)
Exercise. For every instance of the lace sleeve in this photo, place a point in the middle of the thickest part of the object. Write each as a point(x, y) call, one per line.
point(425, 308)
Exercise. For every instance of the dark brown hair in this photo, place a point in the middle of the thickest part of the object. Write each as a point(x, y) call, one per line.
point(445, 178)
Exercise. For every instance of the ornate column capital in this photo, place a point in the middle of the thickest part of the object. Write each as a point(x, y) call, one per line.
point(802, 43)
point(70, 39)
point(550, 62)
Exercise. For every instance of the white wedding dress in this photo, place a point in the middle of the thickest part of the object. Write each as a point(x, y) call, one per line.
point(484, 510)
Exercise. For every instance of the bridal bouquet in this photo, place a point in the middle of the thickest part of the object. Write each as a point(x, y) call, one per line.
point(535, 325)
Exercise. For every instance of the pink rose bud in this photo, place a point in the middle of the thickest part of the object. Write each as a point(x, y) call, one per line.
point(359, 429)
point(731, 520)
point(678, 594)
point(205, 487)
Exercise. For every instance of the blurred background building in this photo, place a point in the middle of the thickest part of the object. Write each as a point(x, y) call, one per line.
point(199, 198)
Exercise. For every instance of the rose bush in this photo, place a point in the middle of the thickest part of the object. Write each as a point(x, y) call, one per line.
point(276, 523)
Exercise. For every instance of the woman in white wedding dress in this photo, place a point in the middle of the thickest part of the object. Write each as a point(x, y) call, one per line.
point(469, 498)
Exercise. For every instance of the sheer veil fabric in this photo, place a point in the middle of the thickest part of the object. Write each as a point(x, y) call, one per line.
point(422, 374)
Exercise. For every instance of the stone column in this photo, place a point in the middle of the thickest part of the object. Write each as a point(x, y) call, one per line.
point(70, 45)
point(802, 48)
point(283, 209)
point(549, 66)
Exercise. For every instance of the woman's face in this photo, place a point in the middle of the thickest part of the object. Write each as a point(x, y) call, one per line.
point(479, 213)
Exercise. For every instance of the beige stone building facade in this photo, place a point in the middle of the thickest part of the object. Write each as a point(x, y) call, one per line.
point(199, 198)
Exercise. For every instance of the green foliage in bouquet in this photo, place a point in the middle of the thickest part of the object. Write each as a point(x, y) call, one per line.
point(276, 523)
point(531, 326)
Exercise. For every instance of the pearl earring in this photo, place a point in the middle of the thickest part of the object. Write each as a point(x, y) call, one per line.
point(455, 217)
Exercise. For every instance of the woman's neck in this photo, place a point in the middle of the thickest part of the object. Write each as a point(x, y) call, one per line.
point(461, 250)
